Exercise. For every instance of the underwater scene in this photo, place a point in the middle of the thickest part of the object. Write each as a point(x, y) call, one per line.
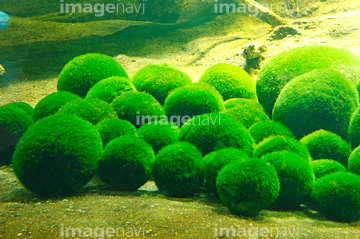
point(179, 119)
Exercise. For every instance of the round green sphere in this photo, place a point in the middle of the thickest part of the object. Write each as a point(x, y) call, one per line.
point(323, 144)
point(354, 129)
point(177, 169)
point(248, 187)
point(213, 131)
point(296, 179)
point(84, 71)
point(159, 80)
point(51, 104)
point(284, 67)
point(354, 161)
point(138, 108)
point(127, 163)
point(337, 196)
point(322, 167)
point(265, 129)
point(57, 155)
point(110, 129)
point(25, 106)
point(321, 99)
point(231, 81)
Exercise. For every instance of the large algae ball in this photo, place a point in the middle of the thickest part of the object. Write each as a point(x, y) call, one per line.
point(296, 179)
point(159, 80)
point(159, 134)
point(92, 110)
point(57, 155)
point(210, 132)
point(280, 143)
point(323, 144)
point(127, 163)
point(177, 169)
point(321, 99)
point(231, 81)
point(322, 167)
point(138, 108)
point(84, 71)
point(25, 106)
point(51, 104)
point(284, 67)
point(110, 88)
point(247, 112)
point(337, 196)
point(354, 161)
point(266, 129)
point(14, 121)
point(354, 129)
point(110, 129)
point(215, 161)
point(248, 187)
point(191, 100)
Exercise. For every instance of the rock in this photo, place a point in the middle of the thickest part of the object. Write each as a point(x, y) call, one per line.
point(282, 32)
point(2, 70)
point(252, 51)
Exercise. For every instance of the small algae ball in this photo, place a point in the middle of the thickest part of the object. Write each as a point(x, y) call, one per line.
point(354, 129)
point(231, 81)
point(110, 88)
point(51, 104)
point(159, 134)
point(321, 99)
point(354, 161)
point(213, 131)
point(322, 167)
point(138, 108)
point(159, 80)
point(337, 196)
point(248, 187)
point(215, 161)
point(84, 71)
point(177, 169)
point(266, 129)
point(280, 143)
point(247, 112)
point(296, 179)
point(127, 163)
point(284, 67)
point(323, 144)
point(92, 110)
point(110, 129)
point(25, 106)
point(191, 100)
point(57, 155)
point(14, 122)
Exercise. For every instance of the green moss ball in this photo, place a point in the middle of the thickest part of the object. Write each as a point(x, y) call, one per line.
point(110, 88)
point(323, 167)
point(25, 106)
point(127, 163)
point(323, 144)
point(240, 101)
point(51, 104)
point(57, 155)
point(159, 134)
point(138, 108)
point(92, 110)
point(265, 129)
point(231, 81)
point(84, 71)
point(354, 129)
point(177, 169)
point(337, 196)
point(248, 187)
point(296, 179)
point(191, 100)
point(247, 112)
point(284, 67)
point(354, 161)
point(280, 143)
point(14, 121)
point(159, 80)
point(321, 99)
point(213, 131)
point(110, 129)
point(215, 161)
